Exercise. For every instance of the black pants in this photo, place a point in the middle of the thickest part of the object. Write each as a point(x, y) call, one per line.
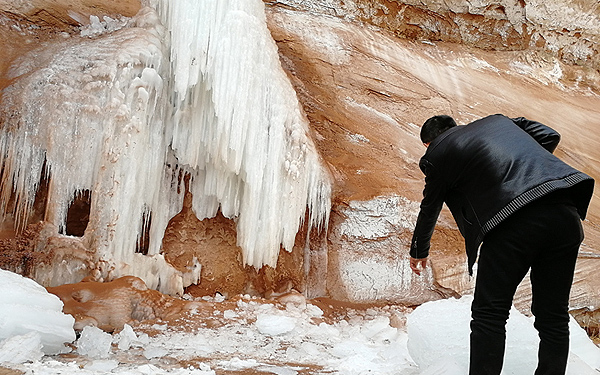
point(543, 236)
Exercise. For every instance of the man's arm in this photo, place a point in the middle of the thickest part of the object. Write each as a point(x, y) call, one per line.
point(431, 205)
point(544, 135)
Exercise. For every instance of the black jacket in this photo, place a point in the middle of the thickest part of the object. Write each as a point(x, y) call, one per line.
point(487, 170)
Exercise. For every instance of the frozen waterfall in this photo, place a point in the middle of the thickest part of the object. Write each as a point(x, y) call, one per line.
point(125, 110)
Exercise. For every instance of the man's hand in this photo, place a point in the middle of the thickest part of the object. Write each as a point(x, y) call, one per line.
point(414, 265)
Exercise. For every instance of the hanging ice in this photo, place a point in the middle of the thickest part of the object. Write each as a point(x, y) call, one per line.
point(238, 127)
point(125, 113)
point(89, 111)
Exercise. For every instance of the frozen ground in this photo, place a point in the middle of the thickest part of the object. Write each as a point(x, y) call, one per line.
point(247, 335)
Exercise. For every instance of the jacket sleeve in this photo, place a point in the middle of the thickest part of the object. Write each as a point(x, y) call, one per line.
point(544, 135)
point(431, 205)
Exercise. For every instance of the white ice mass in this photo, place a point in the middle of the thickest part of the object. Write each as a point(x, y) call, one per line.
point(269, 337)
point(439, 341)
point(30, 316)
point(124, 110)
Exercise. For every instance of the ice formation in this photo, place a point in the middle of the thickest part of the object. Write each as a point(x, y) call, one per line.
point(31, 318)
point(238, 128)
point(440, 345)
point(373, 260)
point(379, 217)
point(191, 88)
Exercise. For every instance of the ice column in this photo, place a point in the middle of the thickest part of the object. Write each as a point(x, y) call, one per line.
point(238, 128)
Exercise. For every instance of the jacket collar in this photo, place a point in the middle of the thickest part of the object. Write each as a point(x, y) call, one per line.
point(441, 137)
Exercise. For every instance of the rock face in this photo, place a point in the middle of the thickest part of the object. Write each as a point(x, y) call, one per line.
point(367, 74)
point(64, 14)
point(111, 305)
point(366, 94)
point(566, 29)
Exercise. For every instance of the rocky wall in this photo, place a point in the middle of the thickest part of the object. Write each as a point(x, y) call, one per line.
point(568, 30)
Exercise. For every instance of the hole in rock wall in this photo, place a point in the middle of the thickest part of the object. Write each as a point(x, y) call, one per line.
point(213, 242)
point(143, 243)
point(41, 199)
point(78, 214)
point(13, 221)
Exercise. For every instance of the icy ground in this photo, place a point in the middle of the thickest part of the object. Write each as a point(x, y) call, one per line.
point(247, 335)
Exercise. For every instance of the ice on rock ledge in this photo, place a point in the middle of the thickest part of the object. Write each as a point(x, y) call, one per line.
point(192, 88)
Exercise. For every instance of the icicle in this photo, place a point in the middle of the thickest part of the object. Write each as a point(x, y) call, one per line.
point(93, 110)
point(238, 126)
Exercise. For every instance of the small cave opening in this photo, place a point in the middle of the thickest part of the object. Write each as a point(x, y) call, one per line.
point(143, 242)
point(16, 213)
point(78, 215)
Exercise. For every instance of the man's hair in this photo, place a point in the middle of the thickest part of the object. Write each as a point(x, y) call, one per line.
point(435, 126)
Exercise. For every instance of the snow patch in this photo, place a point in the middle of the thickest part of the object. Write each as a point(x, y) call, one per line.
point(435, 341)
point(356, 342)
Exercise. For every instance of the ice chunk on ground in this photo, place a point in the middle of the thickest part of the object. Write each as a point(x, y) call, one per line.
point(102, 366)
point(26, 306)
point(22, 348)
point(94, 342)
point(155, 352)
point(379, 329)
point(126, 338)
point(438, 340)
point(274, 325)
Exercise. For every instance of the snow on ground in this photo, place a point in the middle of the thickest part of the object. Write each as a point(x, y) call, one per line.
point(288, 336)
point(439, 344)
